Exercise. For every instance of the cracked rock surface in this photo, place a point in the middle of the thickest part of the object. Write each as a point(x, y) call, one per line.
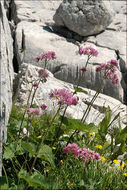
point(6, 76)
point(42, 97)
point(35, 34)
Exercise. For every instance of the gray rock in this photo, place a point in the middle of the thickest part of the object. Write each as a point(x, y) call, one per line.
point(68, 63)
point(6, 75)
point(33, 11)
point(42, 97)
point(84, 17)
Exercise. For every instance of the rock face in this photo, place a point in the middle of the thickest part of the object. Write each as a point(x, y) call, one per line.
point(42, 97)
point(84, 17)
point(32, 24)
point(67, 65)
point(33, 20)
point(6, 75)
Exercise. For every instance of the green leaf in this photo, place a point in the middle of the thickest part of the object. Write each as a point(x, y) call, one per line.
point(81, 183)
point(45, 153)
point(80, 90)
point(29, 147)
point(121, 136)
point(74, 124)
point(104, 124)
point(115, 118)
point(10, 150)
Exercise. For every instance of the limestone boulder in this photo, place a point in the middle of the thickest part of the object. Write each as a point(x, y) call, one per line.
point(6, 75)
point(84, 17)
point(68, 63)
point(42, 97)
point(36, 33)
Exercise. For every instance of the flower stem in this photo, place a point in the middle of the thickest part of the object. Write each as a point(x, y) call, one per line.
point(88, 107)
point(57, 134)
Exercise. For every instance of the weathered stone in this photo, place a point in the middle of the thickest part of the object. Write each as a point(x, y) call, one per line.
point(68, 63)
point(33, 11)
point(42, 97)
point(6, 75)
point(84, 17)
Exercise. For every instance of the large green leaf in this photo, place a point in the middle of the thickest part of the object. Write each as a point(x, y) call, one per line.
point(29, 147)
point(45, 153)
point(10, 150)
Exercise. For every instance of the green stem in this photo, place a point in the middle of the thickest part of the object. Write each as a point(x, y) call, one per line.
point(81, 76)
point(76, 130)
point(90, 104)
point(6, 176)
point(111, 143)
point(55, 116)
point(35, 93)
point(57, 134)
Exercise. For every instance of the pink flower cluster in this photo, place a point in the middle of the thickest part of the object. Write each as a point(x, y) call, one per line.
point(88, 51)
point(83, 153)
point(35, 84)
point(43, 73)
point(64, 97)
point(83, 69)
point(50, 55)
point(109, 70)
point(34, 111)
point(43, 106)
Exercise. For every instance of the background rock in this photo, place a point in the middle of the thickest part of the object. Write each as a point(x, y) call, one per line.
point(6, 76)
point(67, 65)
point(36, 23)
point(84, 17)
point(42, 97)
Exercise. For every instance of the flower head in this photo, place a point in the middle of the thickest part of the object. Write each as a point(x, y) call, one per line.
point(109, 69)
point(50, 55)
point(99, 146)
point(54, 148)
point(83, 69)
point(64, 97)
point(83, 153)
point(88, 51)
point(35, 111)
point(91, 134)
point(47, 169)
point(35, 84)
point(37, 59)
point(116, 161)
point(43, 73)
point(103, 159)
point(113, 62)
point(43, 106)
point(125, 174)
